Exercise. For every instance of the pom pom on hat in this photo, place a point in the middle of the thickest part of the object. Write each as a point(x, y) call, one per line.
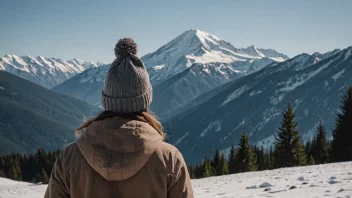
point(125, 46)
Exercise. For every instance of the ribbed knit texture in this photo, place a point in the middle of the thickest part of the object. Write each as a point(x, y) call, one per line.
point(127, 88)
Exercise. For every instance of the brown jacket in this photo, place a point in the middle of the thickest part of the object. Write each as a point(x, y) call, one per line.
point(119, 158)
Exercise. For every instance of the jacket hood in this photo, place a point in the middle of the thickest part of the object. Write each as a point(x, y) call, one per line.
point(117, 148)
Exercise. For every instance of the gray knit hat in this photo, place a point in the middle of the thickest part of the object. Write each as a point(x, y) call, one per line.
point(127, 88)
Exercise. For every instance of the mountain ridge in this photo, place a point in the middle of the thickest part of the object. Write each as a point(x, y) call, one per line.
point(32, 117)
point(314, 89)
point(46, 72)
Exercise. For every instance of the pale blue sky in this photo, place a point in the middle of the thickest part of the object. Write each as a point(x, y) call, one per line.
point(88, 30)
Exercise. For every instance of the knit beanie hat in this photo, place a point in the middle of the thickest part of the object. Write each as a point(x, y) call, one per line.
point(127, 88)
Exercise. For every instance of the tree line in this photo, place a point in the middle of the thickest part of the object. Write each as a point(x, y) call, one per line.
point(288, 149)
point(33, 168)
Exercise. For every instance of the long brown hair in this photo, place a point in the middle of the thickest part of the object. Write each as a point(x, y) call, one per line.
point(142, 116)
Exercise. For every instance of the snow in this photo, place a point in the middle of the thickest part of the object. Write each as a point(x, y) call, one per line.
point(93, 75)
point(266, 143)
point(255, 92)
point(274, 100)
point(311, 132)
point(237, 93)
point(180, 139)
point(205, 38)
point(233, 130)
point(329, 180)
point(215, 126)
point(212, 57)
point(315, 182)
point(278, 59)
point(338, 75)
point(157, 67)
point(306, 112)
point(47, 72)
point(45, 61)
point(300, 79)
point(15, 189)
point(19, 60)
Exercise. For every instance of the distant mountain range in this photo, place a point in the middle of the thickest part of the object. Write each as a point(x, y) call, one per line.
point(205, 90)
point(314, 84)
point(193, 63)
point(33, 117)
point(46, 72)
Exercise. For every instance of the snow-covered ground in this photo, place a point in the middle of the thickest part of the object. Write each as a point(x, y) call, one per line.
point(331, 180)
point(15, 189)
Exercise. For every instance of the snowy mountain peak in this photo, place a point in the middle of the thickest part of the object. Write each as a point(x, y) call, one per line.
point(76, 60)
point(10, 56)
point(253, 51)
point(196, 46)
point(200, 34)
point(205, 38)
point(252, 47)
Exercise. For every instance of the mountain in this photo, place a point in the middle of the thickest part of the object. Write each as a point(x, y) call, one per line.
point(86, 86)
point(46, 72)
point(32, 117)
point(314, 84)
point(191, 64)
point(195, 46)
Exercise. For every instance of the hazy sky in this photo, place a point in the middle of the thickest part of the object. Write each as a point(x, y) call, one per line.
point(88, 30)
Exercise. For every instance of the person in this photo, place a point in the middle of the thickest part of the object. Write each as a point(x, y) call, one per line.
point(121, 152)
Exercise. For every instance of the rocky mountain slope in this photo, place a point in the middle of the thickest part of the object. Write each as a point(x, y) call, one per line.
point(314, 84)
point(33, 117)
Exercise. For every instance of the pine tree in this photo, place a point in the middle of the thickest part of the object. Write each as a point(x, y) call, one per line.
point(341, 145)
point(216, 166)
point(223, 165)
point(198, 171)
point(245, 158)
point(271, 160)
point(43, 177)
point(311, 160)
point(261, 159)
point(2, 174)
point(17, 165)
point(289, 150)
point(207, 170)
point(308, 147)
point(191, 172)
point(232, 160)
point(308, 150)
point(13, 173)
point(320, 147)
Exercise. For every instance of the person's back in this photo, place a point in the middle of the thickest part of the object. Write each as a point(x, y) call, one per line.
point(121, 152)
